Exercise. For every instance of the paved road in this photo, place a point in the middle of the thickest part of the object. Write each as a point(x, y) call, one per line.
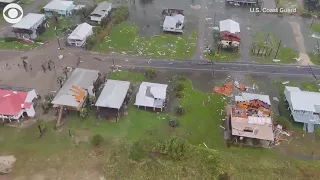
point(199, 65)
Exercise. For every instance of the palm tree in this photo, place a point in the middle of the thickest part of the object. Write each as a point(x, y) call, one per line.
point(60, 80)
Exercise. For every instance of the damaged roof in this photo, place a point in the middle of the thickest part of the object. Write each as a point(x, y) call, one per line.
point(252, 127)
point(150, 94)
point(250, 96)
point(81, 78)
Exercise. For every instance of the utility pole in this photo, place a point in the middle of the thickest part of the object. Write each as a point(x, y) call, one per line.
point(275, 57)
point(212, 71)
point(318, 51)
point(214, 20)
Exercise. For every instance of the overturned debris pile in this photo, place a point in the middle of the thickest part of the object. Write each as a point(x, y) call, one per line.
point(279, 132)
point(225, 90)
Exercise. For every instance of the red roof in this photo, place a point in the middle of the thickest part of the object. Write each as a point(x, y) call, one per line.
point(11, 102)
point(225, 35)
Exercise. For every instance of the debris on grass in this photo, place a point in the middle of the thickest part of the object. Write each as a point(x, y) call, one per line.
point(276, 60)
point(195, 7)
point(285, 82)
point(275, 99)
point(225, 90)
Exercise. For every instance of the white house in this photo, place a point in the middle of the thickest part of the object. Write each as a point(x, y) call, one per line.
point(102, 10)
point(16, 104)
point(62, 8)
point(113, 94)
point(27, 27)
point(304, 106)
point(80, 34)
point(151, 95)
point(173, 23)
point(229, 33)
point(112, 98)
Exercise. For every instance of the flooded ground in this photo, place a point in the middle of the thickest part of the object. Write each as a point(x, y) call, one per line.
point(147, 14)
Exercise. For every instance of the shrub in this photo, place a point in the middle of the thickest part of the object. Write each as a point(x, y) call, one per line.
point(137, 151)
point(84, 113)
point(179, 95)
point(150, 73)
point(179, 110)
point(224, 176)
point(104, 33)
point(45, 107)
point(182, 78)
point(285, 123)
point(179, 86)
point(174, 122)
point(97, 140)
point(10, 39)
point(175, 147)
point(119, 15)
point(91, 41)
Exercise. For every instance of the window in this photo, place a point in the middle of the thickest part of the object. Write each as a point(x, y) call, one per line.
point(248, 129)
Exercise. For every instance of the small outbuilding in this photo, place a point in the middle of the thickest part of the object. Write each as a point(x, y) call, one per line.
point(102, 10)
point(229, 34)
point(59, 7)
point(27, 28)
point(151, 95)
point(79, 36)
point(113, 98)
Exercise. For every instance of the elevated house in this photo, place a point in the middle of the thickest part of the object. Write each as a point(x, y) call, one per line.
point(173, 20)
point(304, 107)
point(16, 103)
point(229, 34)
point(27, 28)
point(59, 7)
point(250, 118)
point(79, 35)
point(76, 89)
point(102, 10)
point(113, 98)
point(151, 95)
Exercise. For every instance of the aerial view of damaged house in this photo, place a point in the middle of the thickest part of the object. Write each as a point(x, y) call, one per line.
point(250, 120)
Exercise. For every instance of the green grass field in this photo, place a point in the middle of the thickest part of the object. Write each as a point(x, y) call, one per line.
point(57, 154)
point(50, 33)
point(316, 28)
point(286, 55)
point(223, 56)
point(18, 45)
point(125, 38)
point(314, 58)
